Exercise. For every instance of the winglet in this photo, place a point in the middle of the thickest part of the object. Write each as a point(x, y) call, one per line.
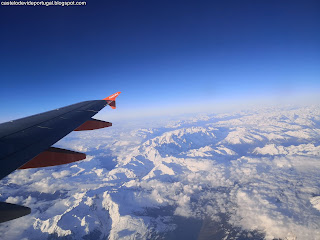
point(112, 99)
point(113, 96)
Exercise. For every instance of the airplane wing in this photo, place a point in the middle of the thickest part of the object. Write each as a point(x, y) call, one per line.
point(26, 142)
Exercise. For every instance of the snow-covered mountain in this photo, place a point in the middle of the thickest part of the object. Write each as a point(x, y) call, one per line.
point(246, 175)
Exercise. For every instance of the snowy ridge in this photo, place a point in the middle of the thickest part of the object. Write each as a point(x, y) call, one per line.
point(254, 173)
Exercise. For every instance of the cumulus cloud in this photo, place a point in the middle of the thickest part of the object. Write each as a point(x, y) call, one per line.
point(61, 174)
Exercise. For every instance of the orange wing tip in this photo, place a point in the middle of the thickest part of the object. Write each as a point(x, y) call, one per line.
point(113, 96)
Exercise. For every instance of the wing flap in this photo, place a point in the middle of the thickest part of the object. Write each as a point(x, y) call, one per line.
point(53, 157)
point(93, 124)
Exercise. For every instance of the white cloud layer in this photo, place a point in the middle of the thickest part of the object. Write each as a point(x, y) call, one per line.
point(252, 172)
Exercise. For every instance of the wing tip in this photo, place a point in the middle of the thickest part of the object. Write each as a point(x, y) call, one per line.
point(113, 96)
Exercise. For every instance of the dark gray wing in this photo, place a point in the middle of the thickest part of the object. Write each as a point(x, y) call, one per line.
point(23, 139)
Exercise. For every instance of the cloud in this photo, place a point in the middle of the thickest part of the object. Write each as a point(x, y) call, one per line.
point(260, 168)
point(61, 174)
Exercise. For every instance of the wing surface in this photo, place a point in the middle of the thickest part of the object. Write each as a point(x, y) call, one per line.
point(30, 139)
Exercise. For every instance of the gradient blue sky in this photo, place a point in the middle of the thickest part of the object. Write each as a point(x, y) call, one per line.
point(163, 55)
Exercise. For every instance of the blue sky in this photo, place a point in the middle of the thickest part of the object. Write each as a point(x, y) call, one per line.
point(164, 56)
